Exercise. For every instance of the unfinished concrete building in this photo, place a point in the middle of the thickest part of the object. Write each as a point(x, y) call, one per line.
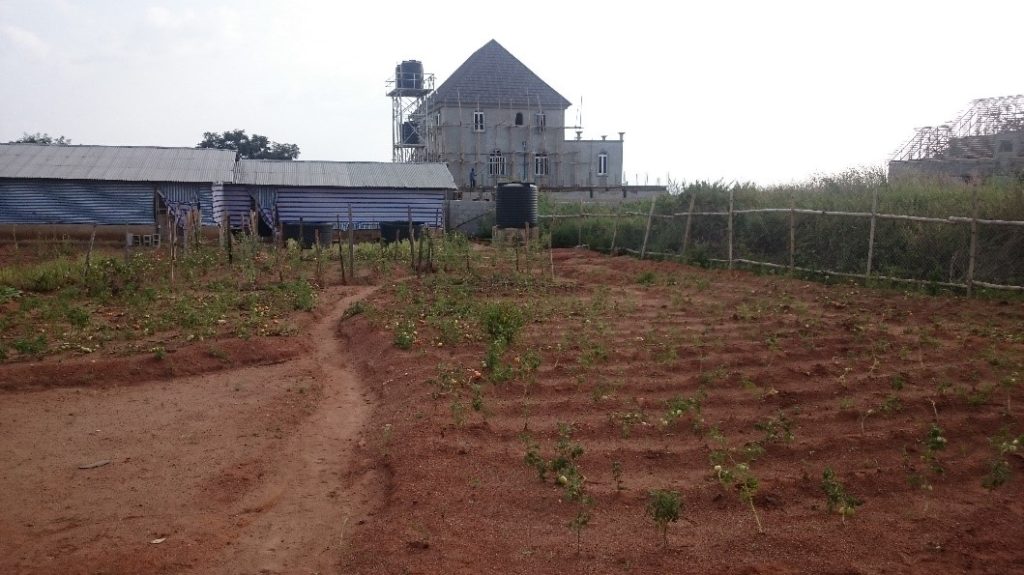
point(493, 121)
point(984, 141)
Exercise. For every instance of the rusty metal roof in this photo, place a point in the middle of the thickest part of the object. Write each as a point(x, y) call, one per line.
point(343, 174)
point(116, 163)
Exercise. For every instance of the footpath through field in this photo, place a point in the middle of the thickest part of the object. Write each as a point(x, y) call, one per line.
point(251, 470)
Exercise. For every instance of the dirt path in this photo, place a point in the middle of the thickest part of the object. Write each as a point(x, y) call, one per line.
point(252, 470)
point(302, 517)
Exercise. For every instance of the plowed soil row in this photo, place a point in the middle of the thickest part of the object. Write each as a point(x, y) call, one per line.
point(860, 375)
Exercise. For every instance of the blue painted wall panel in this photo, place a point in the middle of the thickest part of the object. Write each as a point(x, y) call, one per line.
point(231, 201)
point(369, 206)
point(75, 202)
point(180, 196)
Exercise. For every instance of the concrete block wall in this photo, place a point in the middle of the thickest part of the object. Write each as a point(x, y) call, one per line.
point(473, 218)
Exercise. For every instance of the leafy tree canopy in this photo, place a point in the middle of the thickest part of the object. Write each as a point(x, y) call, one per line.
point(254, 147)
point(41, 138)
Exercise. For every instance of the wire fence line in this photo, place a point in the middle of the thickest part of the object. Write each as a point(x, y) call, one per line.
point(958, 251)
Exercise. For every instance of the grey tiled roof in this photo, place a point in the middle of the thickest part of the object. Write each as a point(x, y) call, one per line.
point(494, 77)
point(116, 163)
point(343, 174)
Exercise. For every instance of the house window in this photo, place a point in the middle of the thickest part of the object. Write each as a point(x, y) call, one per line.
point(519, 118)
point(1005, 146)
point(602, 164)
point(437, 119)
point(478, 121)
point(541, 120)
point(540, 165)
point(496, 164)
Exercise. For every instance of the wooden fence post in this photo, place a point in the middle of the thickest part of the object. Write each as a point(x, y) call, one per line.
point(579, 239)
point(318, 256)
point(871, 232)
point(974, 239)
point(412, 245)
point(615, 228)
point(526, 242)
point(689, 220)
point(647, 231)
point(341, 250)
point(230, 239)
point(792, 233)
point(551, 253)
point(351, 245)
point(88, 254)
point(730, 226)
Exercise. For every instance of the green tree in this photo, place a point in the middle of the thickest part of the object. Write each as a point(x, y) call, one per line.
point(254, 147)
point(41, 138)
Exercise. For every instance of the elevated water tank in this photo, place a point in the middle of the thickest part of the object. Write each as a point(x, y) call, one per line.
point(516, 205)
point(409, 75)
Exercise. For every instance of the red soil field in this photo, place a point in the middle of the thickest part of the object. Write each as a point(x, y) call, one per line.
point(861, 374)
point(350, 455)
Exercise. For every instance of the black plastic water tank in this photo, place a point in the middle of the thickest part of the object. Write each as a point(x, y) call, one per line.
point(305, 233)
point(410, 136)
point(399, 230)
point(516, 205)
point(410, 75)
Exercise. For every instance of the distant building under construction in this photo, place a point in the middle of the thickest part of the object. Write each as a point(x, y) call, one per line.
point(985, 140)
point(493, 121)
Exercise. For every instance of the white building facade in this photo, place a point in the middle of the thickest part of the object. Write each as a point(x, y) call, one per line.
point(495, 121)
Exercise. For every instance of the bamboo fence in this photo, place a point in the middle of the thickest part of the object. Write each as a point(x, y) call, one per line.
point(873, 216)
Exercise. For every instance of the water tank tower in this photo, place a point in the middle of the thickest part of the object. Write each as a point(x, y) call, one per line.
point(408, 91)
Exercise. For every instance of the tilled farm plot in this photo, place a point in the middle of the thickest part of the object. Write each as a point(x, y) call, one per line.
point(534, 448)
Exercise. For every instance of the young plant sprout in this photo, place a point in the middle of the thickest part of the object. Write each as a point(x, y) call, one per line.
point(839, 500)
point(664, 506)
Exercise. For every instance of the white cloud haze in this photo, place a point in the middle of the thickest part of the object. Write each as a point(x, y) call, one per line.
point(763, 91)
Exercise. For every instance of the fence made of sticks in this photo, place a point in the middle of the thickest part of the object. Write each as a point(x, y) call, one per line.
point(816, 233)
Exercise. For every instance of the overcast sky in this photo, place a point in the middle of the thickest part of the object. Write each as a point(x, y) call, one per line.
point(753, 91)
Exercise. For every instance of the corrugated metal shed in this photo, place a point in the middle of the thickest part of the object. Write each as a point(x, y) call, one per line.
point(116, 163)
point(344, 174)
point(78, 202)
point(369, 207)
point(189, 196)
point(289, 205)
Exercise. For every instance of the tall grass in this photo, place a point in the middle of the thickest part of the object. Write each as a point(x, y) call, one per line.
point(914, 250)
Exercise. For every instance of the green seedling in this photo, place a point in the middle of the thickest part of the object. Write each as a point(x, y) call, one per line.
point(664, 507)
point(628, 420)
point(776, 429)
point(534, 459)
point(933, 443)
point(617, 474)
point(578, 524)
point(405, 334)
point(567, 474)
point(679, 405)
point(838, 500)
point(738, 475)
point(999, 468)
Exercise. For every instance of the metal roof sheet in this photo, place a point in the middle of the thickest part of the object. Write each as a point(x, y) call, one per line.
point(116, 163)
point(343, 174)
point(492, 76)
